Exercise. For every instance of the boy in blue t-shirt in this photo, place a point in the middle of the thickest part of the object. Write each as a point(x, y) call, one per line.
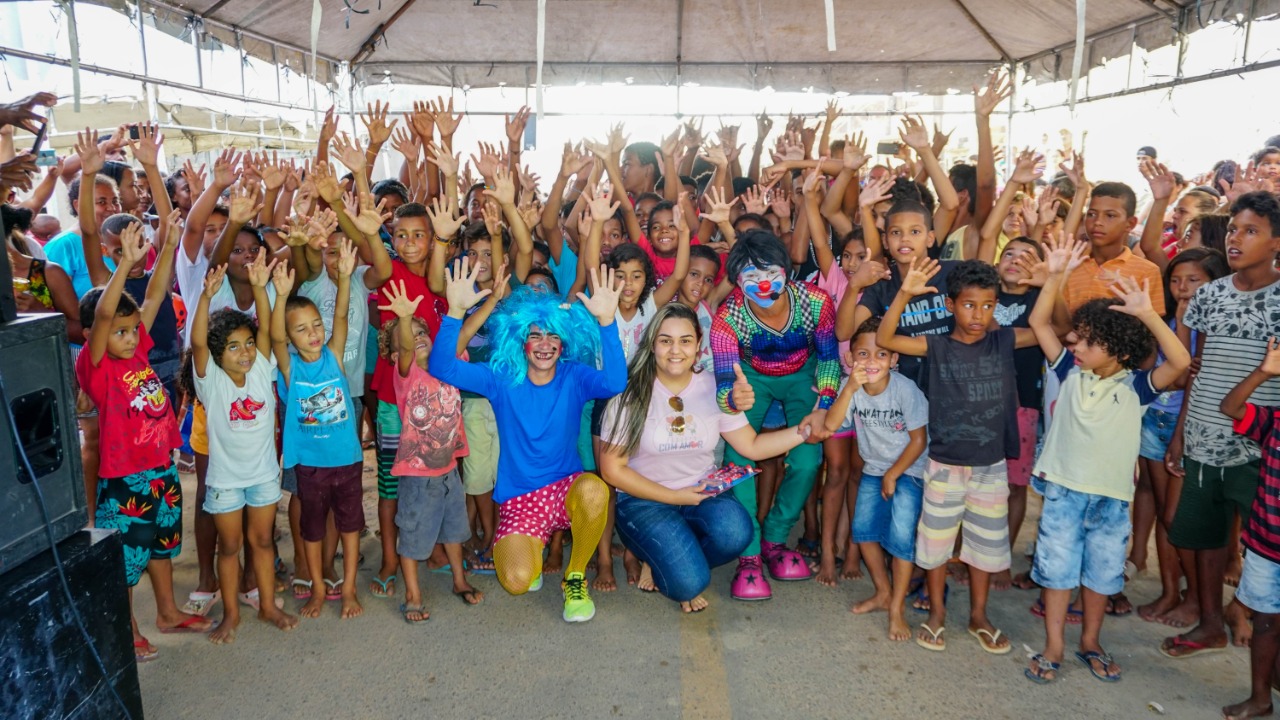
point(321, 441)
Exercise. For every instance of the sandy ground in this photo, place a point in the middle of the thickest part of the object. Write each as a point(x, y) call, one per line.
point(800, 655)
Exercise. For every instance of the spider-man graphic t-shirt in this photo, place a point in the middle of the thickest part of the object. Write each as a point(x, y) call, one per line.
point(431, 434)
point(137, 428)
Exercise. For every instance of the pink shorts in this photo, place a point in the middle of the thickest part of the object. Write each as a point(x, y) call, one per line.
point(536, 514)
point(1028, 428)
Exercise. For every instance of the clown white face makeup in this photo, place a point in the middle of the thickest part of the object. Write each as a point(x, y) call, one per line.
point(762, 286)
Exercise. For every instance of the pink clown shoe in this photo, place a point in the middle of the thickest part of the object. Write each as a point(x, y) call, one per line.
point(784, 563)
point(749, 582)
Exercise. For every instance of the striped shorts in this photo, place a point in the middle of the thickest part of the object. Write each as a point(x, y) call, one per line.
point(388, 442)
point(978, 499)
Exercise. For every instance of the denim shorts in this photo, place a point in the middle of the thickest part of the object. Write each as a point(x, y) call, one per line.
point(1157, 431)
point(1259, 584)
point(224, 500)
point(891, 523)
point(1082, 541)
point(431, 510)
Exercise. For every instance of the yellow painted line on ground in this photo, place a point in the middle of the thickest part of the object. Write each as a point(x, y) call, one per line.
point(704, 683)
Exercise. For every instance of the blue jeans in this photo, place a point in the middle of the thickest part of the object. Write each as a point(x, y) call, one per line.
point(891, 523)
point(681, 543)
point(1082, 540)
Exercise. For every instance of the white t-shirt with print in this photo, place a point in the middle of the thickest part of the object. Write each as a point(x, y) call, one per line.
point(242, 424)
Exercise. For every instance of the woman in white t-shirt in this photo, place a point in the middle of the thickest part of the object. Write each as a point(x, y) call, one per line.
point(660, 436)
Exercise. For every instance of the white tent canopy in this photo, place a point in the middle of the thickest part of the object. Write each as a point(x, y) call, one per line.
point(882, 46)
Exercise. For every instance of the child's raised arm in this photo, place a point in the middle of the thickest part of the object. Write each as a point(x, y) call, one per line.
point(913, 284)
point(1062, 255)
point(1137, 302)
point(504, 192)
point(399, 303)
point(282, 278)
point(445, 222)
point(91, 162)
point(1028, 168)
point(246, 202)
point(840, 407)
point(346, 266)
point(477, 319)
point(132, 243)
point(913, 133)
point(1075, 173)
point(200, 320)
point(259, 272)
point(1162, 183)
point(1233, 405)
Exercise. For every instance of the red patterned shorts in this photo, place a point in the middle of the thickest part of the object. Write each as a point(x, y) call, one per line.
point(536, 514)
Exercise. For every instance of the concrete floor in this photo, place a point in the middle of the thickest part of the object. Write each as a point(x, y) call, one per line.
point(800, 655)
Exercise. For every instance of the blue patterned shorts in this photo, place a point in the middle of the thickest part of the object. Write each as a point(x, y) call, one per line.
point(146, 508)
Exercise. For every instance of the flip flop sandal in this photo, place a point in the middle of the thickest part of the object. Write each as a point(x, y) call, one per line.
point(1088, 657)
point(141, 654)
point(1043, 665)
point(378, 588)
point(482, 558)
point(200, 603)
point(447, 569)
point(988, 640)
point(933, 646)
point(468, 595)
point(187, 626)
point(405, 609)
point(333, 590)
point(923, 596)
point(1116, 600)
point(809, 548)
point(252, 599)
point(301, 589)
point(1193, 648)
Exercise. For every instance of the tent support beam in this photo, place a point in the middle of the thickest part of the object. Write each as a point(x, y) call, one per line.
point(983, 31)
point(1151, 4)
point(371, 43)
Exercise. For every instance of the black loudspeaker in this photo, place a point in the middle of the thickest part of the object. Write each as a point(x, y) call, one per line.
point(48, 669)
point(35, 370)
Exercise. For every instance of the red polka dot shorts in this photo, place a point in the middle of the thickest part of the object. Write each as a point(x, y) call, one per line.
point(536, 514)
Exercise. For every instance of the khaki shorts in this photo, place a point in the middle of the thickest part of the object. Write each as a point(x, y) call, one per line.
point(480, 465)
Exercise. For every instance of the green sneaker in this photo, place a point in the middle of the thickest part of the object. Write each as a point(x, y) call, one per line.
point(578, 606)
point(537, 584)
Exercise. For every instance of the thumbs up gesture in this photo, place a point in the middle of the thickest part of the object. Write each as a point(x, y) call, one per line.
point(743, 395)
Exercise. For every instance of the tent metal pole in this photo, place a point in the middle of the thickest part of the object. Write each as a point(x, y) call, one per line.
point(142, 39)
point(1248, 30)
point(249, 33)
point(1013, 103)
point(1216, 74)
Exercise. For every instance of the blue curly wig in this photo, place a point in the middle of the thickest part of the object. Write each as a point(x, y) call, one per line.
point(509, 327)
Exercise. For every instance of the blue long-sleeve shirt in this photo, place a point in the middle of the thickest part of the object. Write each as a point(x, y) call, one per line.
point(537, 424)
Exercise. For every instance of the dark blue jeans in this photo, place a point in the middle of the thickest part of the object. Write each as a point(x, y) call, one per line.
point(682, 543)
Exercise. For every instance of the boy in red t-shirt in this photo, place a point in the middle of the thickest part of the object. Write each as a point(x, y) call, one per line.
point(139, 494)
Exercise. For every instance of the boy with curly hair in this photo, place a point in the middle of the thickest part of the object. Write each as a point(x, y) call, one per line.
point(1085, 472)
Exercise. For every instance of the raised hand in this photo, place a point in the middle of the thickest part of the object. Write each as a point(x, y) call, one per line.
point(492, 217)
point(446, 121)
point(173, 228)
point(444, 218)
point(763, 125)
point(282, 279)
point(855, 152)
point(146, 149)
point(461, 291)
point(528, 182)
point(326, 183)
point(718, 209)
point(1064, 255)
point(1075, 170)
point(501, 281)
point(913, 133)
point(439, 155)
point(605, 290)
point(91, 160)
point(406, 143)
point(743, 395)
point(272, 171)
point(423, 121)
point(600, 207)
point(346, 258)
point(574, 161)
point(715, 155)
point(488, 162)
point(329, 127)
point(940, 140)
point(1271, 361)
point(997, 90)
point(371, 217)
point(515, 126)
point(375, 121)
point(876, 191)
point(225, 172)
point(245, 203)
point(1035, 270)
point(294, 232)
point(349, 152)
point(921, 272)
point(1136, 298)
point(320, 227)
point(753, 200)
point(21, 113)
point(504, 188)
point(1159, 177)
point(133, 245)
point(196, 179)
point(213, 281)
point(1028, 168)
point(259, 271)
point(1046, 207)
point(869, 272)
point(398, 300)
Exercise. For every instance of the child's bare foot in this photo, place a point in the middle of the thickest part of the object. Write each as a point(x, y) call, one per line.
point(1240, 624)
point(959, 572)
point(554, 564)
point(852, 569)
point(899, 630)
point(872, 604)
point(1248, 709)
point(826, 570)
point(351, 607)
point(469, 595)
point(616, 550)
point(313, 606)
point(645, 581)
point(1183, 615)
point(1152, 611)
point(180, 622)
point(632, 566)
point(1023, 581)
point(278, 617)
point(697, 604)
point(1001, 580)
point(604, 582)
point(225, 633)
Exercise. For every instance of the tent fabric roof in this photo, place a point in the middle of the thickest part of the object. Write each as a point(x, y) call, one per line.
point(882, 45)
